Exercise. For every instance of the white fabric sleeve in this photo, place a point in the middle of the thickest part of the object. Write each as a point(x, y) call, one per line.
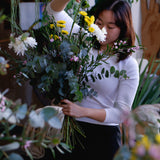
point(62, 15)
point(126, 94)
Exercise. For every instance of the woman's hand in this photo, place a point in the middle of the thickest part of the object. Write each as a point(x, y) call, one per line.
point(74, 110)
point(59, 5)
point(71, 109)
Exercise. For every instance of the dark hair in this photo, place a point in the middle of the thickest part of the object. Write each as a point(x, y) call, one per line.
point(123, 19)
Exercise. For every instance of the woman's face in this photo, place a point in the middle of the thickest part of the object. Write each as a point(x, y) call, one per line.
point(106, 19)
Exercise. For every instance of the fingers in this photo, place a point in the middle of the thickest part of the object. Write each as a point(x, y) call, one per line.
point(78, 1)
point(66, 101)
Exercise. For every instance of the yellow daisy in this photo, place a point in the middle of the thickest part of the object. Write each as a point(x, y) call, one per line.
point(89, 20)
point(64, 32)
point(56, 37)
point(83, 13)
point(51, 26)
point(91, 29)
point(51, 36)
point(61, 22)
point(61, 25)
point(157, 138)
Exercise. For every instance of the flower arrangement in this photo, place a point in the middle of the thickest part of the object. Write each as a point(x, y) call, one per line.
point(146, 147)
point(142, 138)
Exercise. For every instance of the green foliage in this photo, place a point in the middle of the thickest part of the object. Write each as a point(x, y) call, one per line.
point(16, 119)
point(2, 16)
point(148, 91)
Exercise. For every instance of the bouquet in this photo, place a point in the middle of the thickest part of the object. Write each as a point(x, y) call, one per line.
point(58, 64)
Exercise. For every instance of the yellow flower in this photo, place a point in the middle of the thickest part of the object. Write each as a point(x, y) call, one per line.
point(51, 26)
point(56, 37)
point(61, 22)
point(7, 65)
point(91, 29)
point(157, 138)
point(64, 32)
point(51, 36)
point(92, 19)
point(61, 25)
point(89, 20)
point(145, 141)
point(83, 13)
point(133, 157)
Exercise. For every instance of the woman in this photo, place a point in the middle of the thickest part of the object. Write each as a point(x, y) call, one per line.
point(100, 116)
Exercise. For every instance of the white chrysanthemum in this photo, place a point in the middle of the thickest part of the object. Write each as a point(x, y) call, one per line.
point(104, 31)
point(100, 34)
point(29, 41)
point(21, 45)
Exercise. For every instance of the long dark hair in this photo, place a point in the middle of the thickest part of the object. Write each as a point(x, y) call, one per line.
point(123, 19)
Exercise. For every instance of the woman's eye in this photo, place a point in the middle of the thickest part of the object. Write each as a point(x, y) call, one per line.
point(99, 24)
point(111, 27)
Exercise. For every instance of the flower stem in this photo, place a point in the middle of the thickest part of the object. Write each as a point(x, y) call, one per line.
point(75, 17)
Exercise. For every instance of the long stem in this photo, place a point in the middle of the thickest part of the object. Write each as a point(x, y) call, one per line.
point(75, 17)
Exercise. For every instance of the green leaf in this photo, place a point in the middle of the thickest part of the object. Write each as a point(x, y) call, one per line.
point(15, 156)
point(21, 112)
point(74, 49)
point(48, 113)
point(36, 120)
point(11, 146)
point(65, 146)
point(55, 122)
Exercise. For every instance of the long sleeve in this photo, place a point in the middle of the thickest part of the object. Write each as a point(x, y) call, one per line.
point(126, 94)
point(62, 15)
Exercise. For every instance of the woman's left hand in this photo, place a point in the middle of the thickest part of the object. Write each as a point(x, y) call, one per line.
point(71, 109)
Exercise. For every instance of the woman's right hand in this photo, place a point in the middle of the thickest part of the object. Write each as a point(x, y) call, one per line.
point(59, 5)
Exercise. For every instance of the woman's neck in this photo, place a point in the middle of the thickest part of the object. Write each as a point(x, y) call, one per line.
point(104, 47)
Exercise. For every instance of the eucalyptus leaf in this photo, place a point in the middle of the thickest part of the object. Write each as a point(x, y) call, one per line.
point(9, 147)
point(8, 115)
point(47, 113)
point(21, 112)
point(15, 156)
point(74, 49)
point(55, 122)
point(36, 120)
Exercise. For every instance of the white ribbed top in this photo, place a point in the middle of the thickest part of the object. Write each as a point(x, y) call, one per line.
point(115, 95)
